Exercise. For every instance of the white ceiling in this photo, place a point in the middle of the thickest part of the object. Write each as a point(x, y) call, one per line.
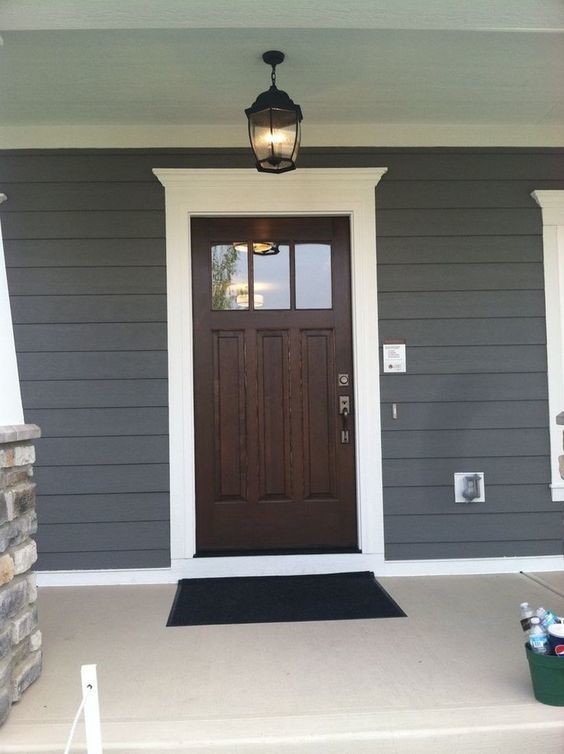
point(376, 68)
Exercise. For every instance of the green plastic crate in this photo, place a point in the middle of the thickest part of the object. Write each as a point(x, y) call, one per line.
point(547, 675)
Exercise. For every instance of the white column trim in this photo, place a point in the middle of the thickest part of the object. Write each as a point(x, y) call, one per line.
point(350, 192)
point(552, 205)
point(11, 410)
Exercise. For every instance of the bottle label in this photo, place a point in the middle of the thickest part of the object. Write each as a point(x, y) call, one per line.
point(526, 623)
point(539, 643)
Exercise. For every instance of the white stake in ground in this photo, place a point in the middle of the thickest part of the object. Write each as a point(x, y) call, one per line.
point(91, 709)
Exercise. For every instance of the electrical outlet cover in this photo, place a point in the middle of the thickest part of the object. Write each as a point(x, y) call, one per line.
point(459, 478)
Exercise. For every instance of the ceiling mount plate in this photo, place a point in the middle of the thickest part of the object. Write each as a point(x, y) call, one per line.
point(273, 57)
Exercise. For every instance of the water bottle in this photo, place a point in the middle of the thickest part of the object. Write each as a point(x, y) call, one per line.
point(527, 613)
point(546, 617)
point(538, 640)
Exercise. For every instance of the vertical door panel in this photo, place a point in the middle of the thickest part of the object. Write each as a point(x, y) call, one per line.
point(273, 415)
point(318, 380)
point(230, 467)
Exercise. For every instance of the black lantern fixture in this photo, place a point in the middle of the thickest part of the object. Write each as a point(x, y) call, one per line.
point(274, 125)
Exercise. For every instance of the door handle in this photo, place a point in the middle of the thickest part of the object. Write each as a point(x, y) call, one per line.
point(344, 411)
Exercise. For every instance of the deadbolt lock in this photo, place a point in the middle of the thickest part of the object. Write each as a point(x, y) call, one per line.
point(343, 379)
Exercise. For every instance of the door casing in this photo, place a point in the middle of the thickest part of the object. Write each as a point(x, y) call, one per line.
point(241, 192)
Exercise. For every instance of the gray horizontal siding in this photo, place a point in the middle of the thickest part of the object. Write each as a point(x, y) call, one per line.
point(77, 451)
point(461, 304)
point(450, 386)
point(501, 498)
point(86, 270)
point(467, 332)
point(95, 309)
point(85, 252)
point(100, 422)
point(84, 224)
point(88, 509)
point(76, 337)
point(460, 278)
point(470, 249)
point(102, 365)
point(108, 535)
point(500, 527)
point(72, 561)
point(93, 393)
point(107, 479)
point(464, 416)
point(492, 549)
point(86, 281)
point(459, 443)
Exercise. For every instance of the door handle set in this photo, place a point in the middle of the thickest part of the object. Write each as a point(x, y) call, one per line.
point(344, 411)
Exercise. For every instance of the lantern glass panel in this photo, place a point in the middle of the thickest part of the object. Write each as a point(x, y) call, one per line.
point(274, 136)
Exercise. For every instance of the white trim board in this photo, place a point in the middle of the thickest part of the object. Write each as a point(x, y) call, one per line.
point(245, 192)
point(552, 205)
point(218, 567)
point(144, 136)
point(11, 411)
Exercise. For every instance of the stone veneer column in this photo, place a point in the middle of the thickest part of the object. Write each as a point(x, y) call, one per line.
point(20, 639)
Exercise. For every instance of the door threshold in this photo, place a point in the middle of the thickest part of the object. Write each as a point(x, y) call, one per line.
point(283, 551)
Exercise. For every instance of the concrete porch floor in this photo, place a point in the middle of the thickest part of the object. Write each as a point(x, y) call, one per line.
point(451, 677)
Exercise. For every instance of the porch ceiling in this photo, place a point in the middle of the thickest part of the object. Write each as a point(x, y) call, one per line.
point(479, 65)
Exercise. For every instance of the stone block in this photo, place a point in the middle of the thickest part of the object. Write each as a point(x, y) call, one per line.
point(5, 672)
point(31, 587)
point(24, 556)
point(19, 454)
point(25, 673)
point(5, 704)
point(17, 531)
point(11, 477)
point(18, 432)
point(5, 641)
point(24, 624)
point(13, 598)
point(16, 501)
point(6, 569)
point(35, 641)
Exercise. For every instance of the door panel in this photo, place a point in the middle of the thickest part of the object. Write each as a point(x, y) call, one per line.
point(272, 469)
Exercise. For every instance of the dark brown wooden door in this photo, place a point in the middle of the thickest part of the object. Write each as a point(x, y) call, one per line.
point(272, 362)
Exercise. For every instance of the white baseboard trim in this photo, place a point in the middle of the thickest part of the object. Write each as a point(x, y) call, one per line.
point(298, 564)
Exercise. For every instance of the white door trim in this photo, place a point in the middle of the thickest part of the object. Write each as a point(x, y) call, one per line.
point(224, 192)
point(552, 205)
point(11, 411)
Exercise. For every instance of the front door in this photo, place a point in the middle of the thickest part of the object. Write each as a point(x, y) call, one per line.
point(273, 385)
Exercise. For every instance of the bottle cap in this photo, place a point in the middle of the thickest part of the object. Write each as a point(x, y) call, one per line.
point(524, 604)
point(535, 621)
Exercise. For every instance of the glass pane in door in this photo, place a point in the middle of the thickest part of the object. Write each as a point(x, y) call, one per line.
point(272, 278)
point(230, 277)
point(313, 276)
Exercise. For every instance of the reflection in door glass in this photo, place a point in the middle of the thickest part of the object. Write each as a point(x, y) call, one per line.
point(230, 278)
point(313, 276)
point(272, 278)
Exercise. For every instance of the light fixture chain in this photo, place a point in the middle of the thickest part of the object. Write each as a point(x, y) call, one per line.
point(273, 75)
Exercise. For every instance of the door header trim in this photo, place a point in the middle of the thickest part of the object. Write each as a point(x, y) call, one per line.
point(310, 191)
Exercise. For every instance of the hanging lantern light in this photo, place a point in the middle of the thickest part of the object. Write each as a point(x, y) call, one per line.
point(274, 125)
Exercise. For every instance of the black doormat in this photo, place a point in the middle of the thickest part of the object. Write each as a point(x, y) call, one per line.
point(280, 599)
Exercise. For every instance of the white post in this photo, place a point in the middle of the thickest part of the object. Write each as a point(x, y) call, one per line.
point(91, 709)
point(552, 205)
point(11, 411)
